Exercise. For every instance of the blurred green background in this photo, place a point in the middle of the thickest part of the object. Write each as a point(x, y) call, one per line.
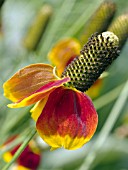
point(67, 20)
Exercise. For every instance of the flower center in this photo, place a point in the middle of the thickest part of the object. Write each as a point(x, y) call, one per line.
point(96, 56)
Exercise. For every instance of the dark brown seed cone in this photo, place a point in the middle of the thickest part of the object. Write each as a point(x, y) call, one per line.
point(99, 21)
point(96, 56)
point(120, 27)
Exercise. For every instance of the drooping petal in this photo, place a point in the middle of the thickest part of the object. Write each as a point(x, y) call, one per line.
point(68, 119)
point(40, 94)
point(28, 80)
point(38, 107)
point(63, 52)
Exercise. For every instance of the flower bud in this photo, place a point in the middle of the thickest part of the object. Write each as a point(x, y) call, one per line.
point(120, 27)
point(37, 28)
point(99, 21)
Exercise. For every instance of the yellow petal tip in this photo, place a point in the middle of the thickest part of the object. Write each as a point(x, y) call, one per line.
point(12, 105)
point(53, 148)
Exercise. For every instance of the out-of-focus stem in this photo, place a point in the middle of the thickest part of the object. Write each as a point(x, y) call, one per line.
point(108, 97)
point(37, 28)
point(1, 3)
point(21, 148)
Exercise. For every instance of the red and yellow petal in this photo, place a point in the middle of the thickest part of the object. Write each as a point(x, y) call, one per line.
point(38, 107)
point(63, 52)
point(29, 159)
point(68, 119)
point(40, 94)
point(28, 80)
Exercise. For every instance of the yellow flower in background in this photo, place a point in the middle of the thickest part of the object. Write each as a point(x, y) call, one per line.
point(63, 53)
point(64, 114)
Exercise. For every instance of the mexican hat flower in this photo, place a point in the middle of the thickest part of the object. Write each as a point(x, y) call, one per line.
point(28, 160)
point(63, 53)
point(64, 114)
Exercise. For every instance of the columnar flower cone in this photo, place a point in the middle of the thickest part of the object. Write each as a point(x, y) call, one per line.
point(64, 115)
point(67, 49)
point(95, 57)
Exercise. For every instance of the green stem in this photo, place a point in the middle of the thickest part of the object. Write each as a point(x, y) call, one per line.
point(10, 145)
point(21, 148)
point(104, 133)
point(64, 11)
point(108, 97)
point(74, 29)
